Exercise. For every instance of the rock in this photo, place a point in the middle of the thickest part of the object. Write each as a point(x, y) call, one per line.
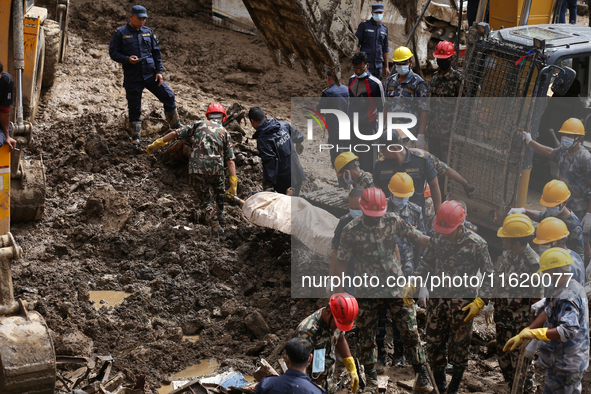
point(263, 302)
point(74, 343)
point(257, 325)
point(66, 308)
point(258, 66)
point(228, 308)
point(217, 312)
point(175, 334)
point(237, 78)
point(474, 386)
point(256, 348)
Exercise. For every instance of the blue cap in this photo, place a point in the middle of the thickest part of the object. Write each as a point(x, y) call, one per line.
point(377, 8)
point(139, 11)
point(328, 73)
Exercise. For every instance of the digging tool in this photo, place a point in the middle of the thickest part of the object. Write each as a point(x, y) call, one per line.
point(521, 370)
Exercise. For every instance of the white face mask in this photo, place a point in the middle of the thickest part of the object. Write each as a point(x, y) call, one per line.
point(378, 17)
point(554, 211)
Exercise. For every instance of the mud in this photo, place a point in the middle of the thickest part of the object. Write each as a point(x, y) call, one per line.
point(117, 219)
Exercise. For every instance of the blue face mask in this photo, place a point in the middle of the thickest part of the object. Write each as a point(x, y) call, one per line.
point(355, 213)
point(567, 142)
point(364, 75)
point(554, 211)
point(378, 17)
point(399, 202)
point(347, 178)
point(403, 70)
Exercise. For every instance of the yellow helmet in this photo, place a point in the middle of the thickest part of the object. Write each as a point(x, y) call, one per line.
point(516, 226)
point(572, 126)
point(550, 230)
point(402, 54)
point(401, 185)
point(555, 193)
point(342, 160)
point(553, 258)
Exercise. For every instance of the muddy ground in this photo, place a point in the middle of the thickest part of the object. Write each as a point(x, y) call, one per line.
point(119, 219)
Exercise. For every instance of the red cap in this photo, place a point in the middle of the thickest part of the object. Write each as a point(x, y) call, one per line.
point(344, 309)
point(373, 202)
point(450, 215)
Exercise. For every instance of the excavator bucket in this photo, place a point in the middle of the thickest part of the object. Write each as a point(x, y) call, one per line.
point(28, 191)
point(316, 33)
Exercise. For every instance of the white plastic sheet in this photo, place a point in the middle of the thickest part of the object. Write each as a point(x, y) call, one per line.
point(313, 226)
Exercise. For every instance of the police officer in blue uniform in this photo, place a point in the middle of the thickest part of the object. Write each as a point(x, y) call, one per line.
point(298, 354)
point(372, 36)
point(136, 47)
point(333, 97)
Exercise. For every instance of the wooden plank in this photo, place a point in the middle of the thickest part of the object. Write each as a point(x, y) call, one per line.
point(383, 382)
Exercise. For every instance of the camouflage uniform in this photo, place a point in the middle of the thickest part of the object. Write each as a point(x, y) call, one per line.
point(365, 179)
point(567, 359)
point(573, 224)
point(444, 315)
point(321, 336)
point(411, 95)
point(212, 148)
point(373, 250)
point(513, 309)
point(442, 89)
point(412, 214)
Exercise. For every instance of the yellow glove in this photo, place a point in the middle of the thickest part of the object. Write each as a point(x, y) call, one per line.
point(350, 365)
point(408, 293)
point(474, 307)
point(233, 185)
point(155, 145)
point(526, 333)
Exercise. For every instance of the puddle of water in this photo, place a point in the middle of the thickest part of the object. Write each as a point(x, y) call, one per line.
point(191, 338)
point(112, 297)
point(205, 368)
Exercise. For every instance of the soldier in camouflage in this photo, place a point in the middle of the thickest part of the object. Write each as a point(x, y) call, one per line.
point(212, 147)
point(407, 92)
point(325, 330)
point(562, 328)
point(455, 251)
point(512, 305)
point(371, 241)
point(444, 85)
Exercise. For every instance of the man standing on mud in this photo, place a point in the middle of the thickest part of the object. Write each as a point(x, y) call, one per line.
point(212, 147)
point(6, 100)
point(136, 47)
point(275, 143)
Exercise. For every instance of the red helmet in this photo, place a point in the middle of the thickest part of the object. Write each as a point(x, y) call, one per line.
point(373, 202)
point(450, 215)
point(444, 49)
point(344, 309)
point(216, 108)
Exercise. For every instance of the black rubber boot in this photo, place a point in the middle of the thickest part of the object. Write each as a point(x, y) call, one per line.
point(372, 374)
point(423, 383)
point(456, 379)
point(136, 131)
point(173, 120)
point(399, 359)
point(440, 381)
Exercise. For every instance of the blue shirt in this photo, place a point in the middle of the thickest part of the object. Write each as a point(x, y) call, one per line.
point(419, 168)
point(333, 97)
point(292, 382)
point(126, 42)
point(373, 40)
